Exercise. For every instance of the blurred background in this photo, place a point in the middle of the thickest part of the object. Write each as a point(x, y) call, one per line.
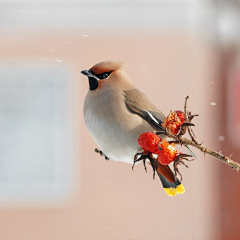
point(52, 184)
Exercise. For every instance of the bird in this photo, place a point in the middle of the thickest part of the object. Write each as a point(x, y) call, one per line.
point(116, 113)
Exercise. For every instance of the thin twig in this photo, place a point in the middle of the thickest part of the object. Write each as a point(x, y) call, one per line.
point(190, 131)
point(185, 108)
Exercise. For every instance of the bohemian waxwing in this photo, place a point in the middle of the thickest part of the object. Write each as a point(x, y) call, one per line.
point(116, 113)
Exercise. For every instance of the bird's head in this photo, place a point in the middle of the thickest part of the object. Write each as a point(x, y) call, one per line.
point(102, 72)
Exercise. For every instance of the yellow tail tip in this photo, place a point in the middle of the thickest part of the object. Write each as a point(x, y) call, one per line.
point(180, 189)
point(171, 191)
point(174, 191)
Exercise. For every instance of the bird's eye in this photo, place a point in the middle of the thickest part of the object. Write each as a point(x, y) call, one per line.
point(104, 75)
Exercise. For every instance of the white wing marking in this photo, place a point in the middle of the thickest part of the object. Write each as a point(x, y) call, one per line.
point(152, 117)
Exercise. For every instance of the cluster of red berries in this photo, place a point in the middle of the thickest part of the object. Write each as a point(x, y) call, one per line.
point(151, 142)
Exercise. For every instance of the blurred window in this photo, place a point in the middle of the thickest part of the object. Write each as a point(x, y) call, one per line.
point(35, 139)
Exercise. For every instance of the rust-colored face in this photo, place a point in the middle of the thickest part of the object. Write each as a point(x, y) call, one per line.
point(101, 71)
point(95, 79)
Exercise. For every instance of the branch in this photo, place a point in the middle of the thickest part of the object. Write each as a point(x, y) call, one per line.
point(195, 143)
point(206, 150)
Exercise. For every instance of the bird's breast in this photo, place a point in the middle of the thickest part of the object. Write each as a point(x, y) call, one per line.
point(113, 127)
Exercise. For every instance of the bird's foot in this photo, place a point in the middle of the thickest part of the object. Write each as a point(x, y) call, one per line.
point(101, 153)
point(180, 160)
point(145, 155)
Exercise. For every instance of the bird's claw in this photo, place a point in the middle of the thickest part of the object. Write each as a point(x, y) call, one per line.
point(101, 153)
point(180, 160)
point(146, 156)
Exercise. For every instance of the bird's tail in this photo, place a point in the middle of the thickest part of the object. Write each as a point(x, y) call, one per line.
point(171, 185)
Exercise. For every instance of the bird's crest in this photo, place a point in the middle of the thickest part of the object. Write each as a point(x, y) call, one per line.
point(108, 66)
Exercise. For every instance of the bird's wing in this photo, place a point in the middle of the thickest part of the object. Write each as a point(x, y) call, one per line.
point(138, 103)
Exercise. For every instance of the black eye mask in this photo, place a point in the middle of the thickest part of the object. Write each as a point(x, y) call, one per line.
point(102, 75)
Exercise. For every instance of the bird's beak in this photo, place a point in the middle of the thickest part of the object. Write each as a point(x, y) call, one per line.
point(86, 73)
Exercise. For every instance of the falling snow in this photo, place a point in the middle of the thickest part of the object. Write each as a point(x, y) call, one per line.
point(221, 138)
point(213, 103)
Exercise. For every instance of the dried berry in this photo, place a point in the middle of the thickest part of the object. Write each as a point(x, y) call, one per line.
point(167, 154)
point(174, 121)
point(149, 142)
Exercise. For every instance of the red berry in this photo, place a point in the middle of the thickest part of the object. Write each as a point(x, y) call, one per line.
point(180, 115)
point(167, 154)
point(174, 121)
point(149, 142)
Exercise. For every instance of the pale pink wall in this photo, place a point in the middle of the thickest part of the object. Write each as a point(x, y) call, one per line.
point(109, 200)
